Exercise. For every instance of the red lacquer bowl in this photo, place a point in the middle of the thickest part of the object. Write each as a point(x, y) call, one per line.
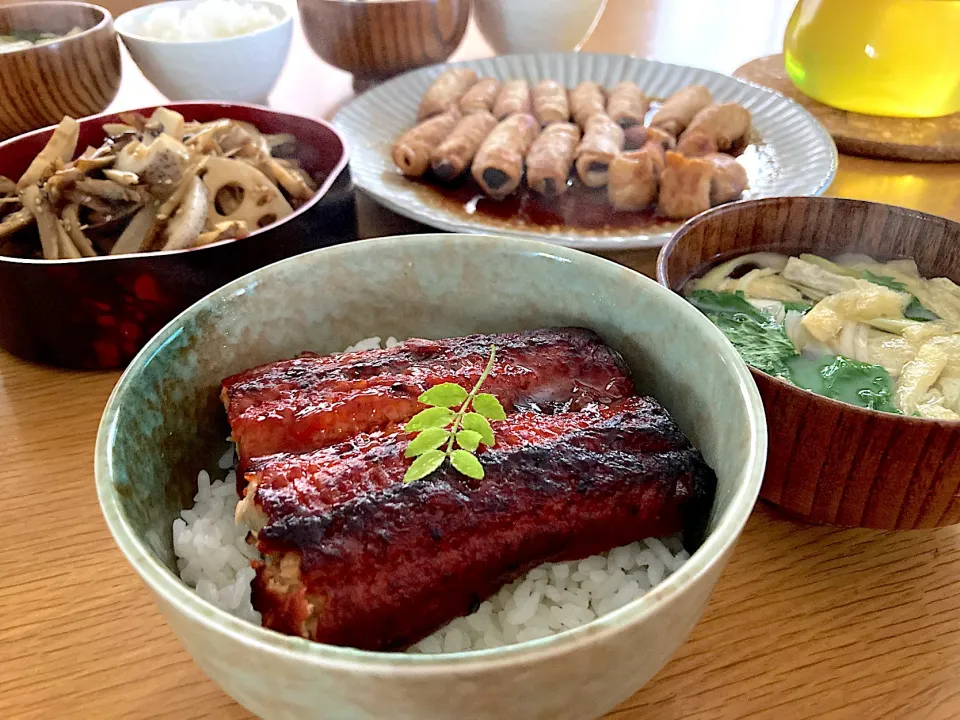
point(96, 313)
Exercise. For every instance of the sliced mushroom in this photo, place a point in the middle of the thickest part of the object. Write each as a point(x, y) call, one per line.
point(139, 232)
point(229, 230)
point(98, 162)
point(294, 182)
point(261, 203)
point(115, 130)
point(7, 186)
point(108, 190)
point(60, 147)
point(35, 201)
point(160, 163)
point(71, 223)
point(187, 224)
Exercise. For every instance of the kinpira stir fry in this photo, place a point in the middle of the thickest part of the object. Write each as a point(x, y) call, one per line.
point(157, 183)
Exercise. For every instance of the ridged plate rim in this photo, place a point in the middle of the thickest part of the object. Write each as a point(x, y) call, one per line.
point(805, 154)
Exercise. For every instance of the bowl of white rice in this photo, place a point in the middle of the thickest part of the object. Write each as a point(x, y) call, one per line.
point(231, 50)
point(566, 641)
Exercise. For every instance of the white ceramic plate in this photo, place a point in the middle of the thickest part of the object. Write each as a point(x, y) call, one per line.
point(795, 155)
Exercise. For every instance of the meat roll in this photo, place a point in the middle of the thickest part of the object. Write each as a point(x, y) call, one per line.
point(715, 128)
point(602, 141)
point(513, 98)
point(729, 178)
point(635, 177)
point(627, 105)
point(498, 166)
point(684, 186)
point(637, 136)
point(445, 92)
point(586, 99)
point(680, 108)
point(550, 102)
point(454, 155)
point(480, 97)
point(551, 157)
point(411, 152)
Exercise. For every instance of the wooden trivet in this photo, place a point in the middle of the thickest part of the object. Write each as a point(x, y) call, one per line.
point(918, 139)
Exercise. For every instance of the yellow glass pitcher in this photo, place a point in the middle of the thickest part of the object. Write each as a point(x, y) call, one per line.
point(897, 58)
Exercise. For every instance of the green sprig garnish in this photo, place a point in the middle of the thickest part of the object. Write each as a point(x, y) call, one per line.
point(462, 431)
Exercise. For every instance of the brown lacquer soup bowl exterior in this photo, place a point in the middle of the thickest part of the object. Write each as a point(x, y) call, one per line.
point(376, 40)
point(96, 313)
point(830, 462)
point(77, 76)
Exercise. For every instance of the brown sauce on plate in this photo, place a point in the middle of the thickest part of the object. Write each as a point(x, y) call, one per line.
point(579, 207)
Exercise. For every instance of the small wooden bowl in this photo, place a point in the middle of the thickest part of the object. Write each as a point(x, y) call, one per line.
point(76, 76)
point(830, 462)
point(376, 40)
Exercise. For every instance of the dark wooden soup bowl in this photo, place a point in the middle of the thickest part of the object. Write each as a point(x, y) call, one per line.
point(75, 76)
point(830, 462)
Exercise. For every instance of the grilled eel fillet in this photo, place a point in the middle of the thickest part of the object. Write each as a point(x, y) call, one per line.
point(309, 402)
point(354, 557)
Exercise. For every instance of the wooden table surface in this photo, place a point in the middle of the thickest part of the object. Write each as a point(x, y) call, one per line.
point(806, 621)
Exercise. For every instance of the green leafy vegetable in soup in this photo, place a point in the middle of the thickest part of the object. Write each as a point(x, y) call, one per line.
point(876, 335)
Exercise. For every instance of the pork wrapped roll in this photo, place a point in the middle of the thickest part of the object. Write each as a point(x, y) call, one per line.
point(551, 158)
point(480, 97)
point(586, 99)
point(454, 155)
point(716, 128)
point(550, 102)
point(602, 142)
point(445, 92)
point(411, 152)
point(679, 109)
point(627, 105)
point(498, 166)
point(513, 98)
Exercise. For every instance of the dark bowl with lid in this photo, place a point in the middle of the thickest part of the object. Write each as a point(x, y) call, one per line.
point(96, 313)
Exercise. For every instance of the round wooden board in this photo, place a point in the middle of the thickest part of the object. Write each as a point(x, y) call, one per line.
point(918, 139)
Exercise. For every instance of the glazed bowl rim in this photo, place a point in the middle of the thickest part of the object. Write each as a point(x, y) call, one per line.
point(186, 602)
point(782, 384)
point(105, 21)
point(284, 17)
point(321, 192)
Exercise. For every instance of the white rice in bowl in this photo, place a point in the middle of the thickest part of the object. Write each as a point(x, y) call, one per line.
point(213, 557)
point(207, 20)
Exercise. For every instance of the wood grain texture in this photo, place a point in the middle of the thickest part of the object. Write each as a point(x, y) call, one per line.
point(918, 139)
point(76, 76)
point(377, 40)
point(806, 622)
point(830, 462)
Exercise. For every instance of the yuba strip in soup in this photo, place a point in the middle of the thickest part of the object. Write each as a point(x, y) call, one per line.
point(355, 557)
point(309, 402)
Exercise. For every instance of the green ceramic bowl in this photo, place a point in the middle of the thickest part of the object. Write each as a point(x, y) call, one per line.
point(164, 423)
